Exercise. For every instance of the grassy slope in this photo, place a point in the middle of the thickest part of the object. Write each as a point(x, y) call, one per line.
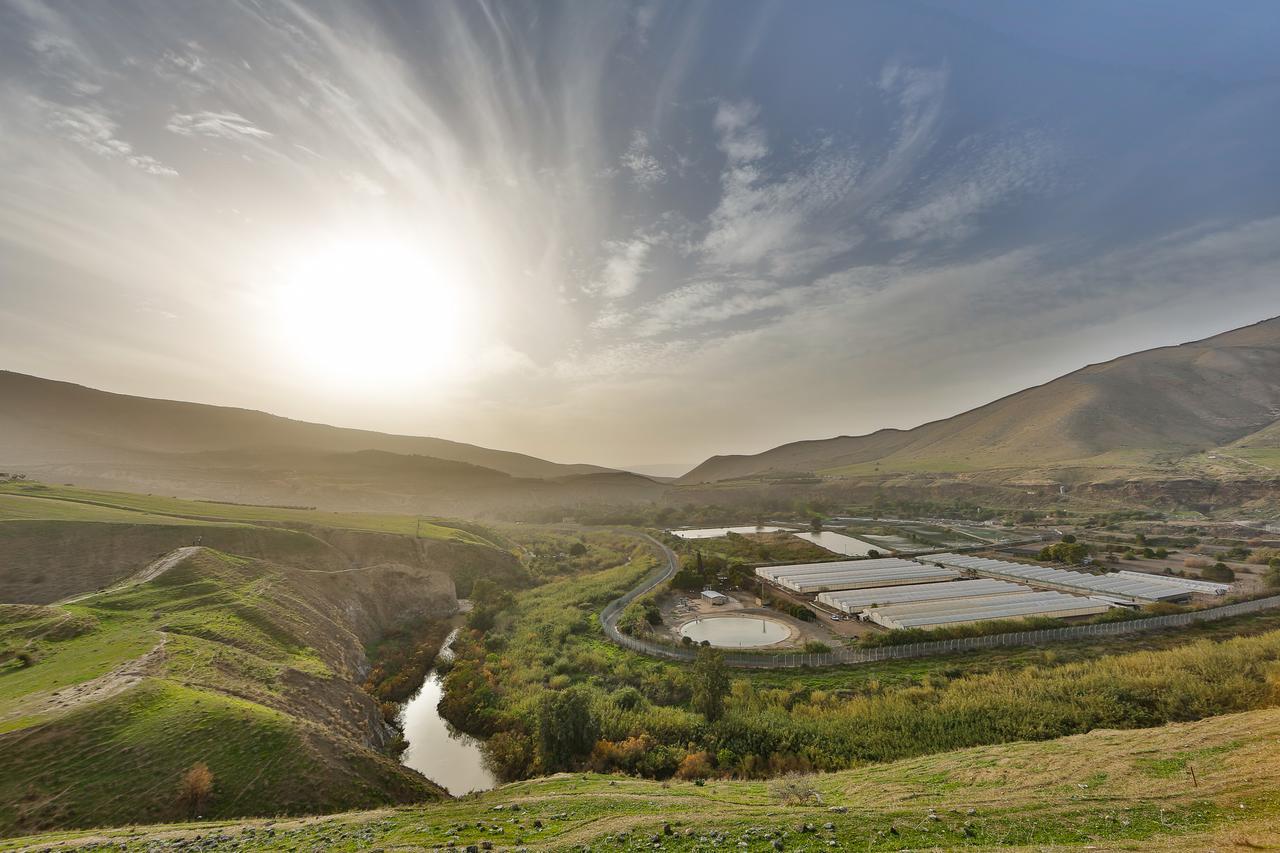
point(1105, 789)
point(63, 501)
point(231, 640)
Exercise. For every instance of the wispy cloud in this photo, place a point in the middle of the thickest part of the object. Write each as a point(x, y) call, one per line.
point(638, 160)
point(95, 131)
point(226, 125)
point(623, 267)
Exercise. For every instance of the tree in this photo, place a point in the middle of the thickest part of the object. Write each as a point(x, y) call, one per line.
point(1220, 572)
point(577, 549)
point(567, 730)
point(710, 683)
point(1272, 577)
point(1069, 539)
point(195, 788)
point(815, 524)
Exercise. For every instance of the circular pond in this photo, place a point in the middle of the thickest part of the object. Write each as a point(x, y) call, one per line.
point(736, 632)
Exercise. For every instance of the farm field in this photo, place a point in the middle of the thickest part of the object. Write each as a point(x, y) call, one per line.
point(70, 503)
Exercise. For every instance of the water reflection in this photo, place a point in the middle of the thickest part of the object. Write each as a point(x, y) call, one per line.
point(437, 750)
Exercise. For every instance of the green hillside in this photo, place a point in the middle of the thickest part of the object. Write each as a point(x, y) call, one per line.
point(248, 667)
point(96, 505)
point(1132, 790)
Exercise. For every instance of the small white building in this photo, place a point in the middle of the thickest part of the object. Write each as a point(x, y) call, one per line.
point(715, 597)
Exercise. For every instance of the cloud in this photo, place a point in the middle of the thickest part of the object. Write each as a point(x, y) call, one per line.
point(644, 168)
point(624, 266)
point(987, 173)
point(764, 216)
point(95, 131)
point(225, 125)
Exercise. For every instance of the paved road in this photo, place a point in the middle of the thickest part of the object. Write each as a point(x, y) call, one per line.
point(660, 575)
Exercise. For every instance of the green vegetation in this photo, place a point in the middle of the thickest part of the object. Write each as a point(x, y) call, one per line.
point(548, 639)
point(222, 661)
point(176, 508)
point(1107, 789)
point(1064, 552)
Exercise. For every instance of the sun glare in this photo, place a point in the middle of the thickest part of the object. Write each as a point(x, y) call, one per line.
point(372, 313)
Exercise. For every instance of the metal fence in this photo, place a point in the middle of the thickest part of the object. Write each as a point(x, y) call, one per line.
point(764, 660)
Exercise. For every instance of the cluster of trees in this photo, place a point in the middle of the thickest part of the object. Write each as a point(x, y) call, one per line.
point(1072, 552)
point(700, 571)
point(639, 616)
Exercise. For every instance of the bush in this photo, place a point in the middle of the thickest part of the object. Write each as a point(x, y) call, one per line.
point(695, 766)
point(1219, 572)
point(815, 647)
point(195, 788)
point(795, 790)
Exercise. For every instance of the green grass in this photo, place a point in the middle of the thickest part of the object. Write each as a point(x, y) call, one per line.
point(158, 506)
point(1016, 795)
point(120, 760)
point(239, 643)
point(25, 508)
point(114, 640)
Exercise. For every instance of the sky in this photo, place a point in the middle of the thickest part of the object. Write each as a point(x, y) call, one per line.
point(628, 233)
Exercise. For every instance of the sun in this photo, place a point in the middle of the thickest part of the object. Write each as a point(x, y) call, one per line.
point(371, 312)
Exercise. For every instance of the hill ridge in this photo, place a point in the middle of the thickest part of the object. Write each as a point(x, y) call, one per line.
point(1092, 414)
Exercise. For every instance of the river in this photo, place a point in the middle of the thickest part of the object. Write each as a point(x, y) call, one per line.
point(436, 749)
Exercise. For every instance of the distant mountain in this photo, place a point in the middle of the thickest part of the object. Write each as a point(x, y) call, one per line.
point(1150, 408)
point(64, 432)
point(43, 420)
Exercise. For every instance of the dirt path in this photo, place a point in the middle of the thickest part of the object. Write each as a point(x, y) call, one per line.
point(153, 570)
point(64, 699)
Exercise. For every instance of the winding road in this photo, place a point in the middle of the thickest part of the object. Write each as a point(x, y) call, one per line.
point(671, 564)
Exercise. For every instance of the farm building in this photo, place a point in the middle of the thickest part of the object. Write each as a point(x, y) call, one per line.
point(853, 574)
point(853, 601)
point(714, 597)
point(931, 614)
point(1203, 587)
point(1145, 590)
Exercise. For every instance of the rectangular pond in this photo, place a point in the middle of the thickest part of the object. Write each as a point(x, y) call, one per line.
point(838, 543)
point(717, 532)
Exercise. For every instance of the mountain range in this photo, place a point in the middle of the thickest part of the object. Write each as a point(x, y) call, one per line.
point(1205, 409)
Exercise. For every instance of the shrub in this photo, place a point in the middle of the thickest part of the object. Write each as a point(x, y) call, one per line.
point(795, 790)
point(695, 765)
point(195, 788)
point(816, 647)
point(1219, 572)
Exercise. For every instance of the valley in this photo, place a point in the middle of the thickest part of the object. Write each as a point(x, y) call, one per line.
point(276, 648)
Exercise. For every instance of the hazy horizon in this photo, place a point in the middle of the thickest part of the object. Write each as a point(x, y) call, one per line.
point(628, 234)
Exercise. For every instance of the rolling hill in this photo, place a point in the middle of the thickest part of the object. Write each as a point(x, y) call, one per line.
point(47, 421)
point(60, 432)
point(1144, 410)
